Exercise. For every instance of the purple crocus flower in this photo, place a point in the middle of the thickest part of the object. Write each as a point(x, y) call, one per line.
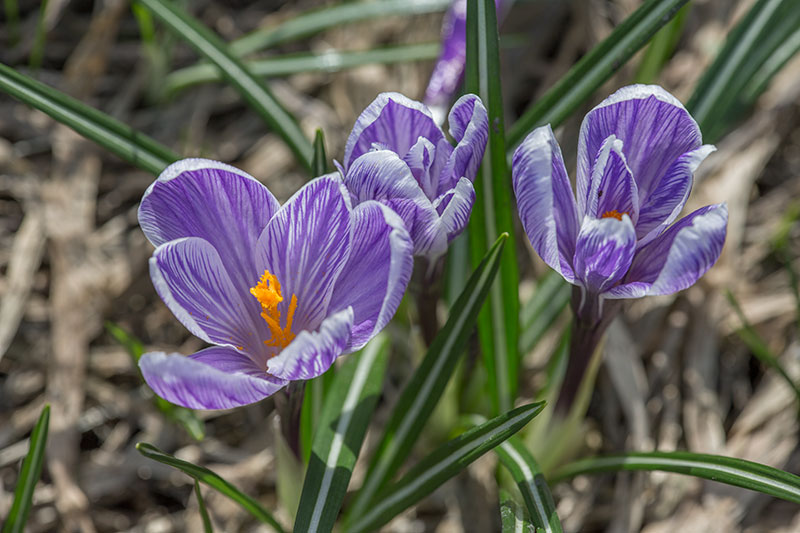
point(280, 291)
point(398, 155)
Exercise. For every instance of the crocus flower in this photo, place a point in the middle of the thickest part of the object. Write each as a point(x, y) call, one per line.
point(398, 155)
point(279, 291)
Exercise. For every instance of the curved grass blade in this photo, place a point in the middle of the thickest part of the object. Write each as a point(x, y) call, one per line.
point(595, 68)
point(330, 61)
point(209, 45)
point(661, 47)
point(498, 323)
point(201, 505)
point(425, 388)
point(347, 413)
point(758, 83)
point(213, 480)
point(538, 314)
point(736, 472)
point(116, 137)
point(512, 516)
point(319, 165)
point(29, 475)
point(442, 464)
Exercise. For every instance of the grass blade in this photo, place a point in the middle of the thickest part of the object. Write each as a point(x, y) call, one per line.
point(595, 68)
point(213, 480)
point(736, 472)
point(127, 143)
point(209, 45)
point(201, 504)
point(538, 314)
point(492, 212)
point(29, 475)
point(319, 165)
point(347, 413)
point(442, 464)
point(512, 516)
point(661, 47)
point(425, 388)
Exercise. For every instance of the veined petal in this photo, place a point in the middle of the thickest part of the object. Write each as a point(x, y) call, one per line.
point(667, 200)
point(604, 252)
point(195, 383)
point(458, 207)
point(394, 121)
point(420, 159)
point(312, 352)
point(211, 200)
point(653, 125)
point(611, 187)
point(305, 246)
point(469, 126)
point(449, 68)
point(376, 276)
point(545, 201)
point(191, 279)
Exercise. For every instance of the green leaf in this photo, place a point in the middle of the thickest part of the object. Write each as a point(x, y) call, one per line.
point(207, 527)
point(209, 45)
point(425, 388)
point(512, 517)
point(551, 296)
point(329, 61)
point(661, 48)
point(595, 68)
point(319, 165)
point(29, 475)
point(492, 212)
point(441, 465)
point(737, 472)
point(127, 143)
point(39, 37)
point(347, 413)
point(213, 480)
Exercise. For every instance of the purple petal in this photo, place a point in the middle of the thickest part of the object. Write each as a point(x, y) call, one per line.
point(191, 279)
point(193, 383)
point(449, 68)
point(394, 122)
point(457, 208)
point(420, 159)
point(312, 353)
point(652, 124)
point(376, 276)
point(306, 245)
point(667, 200)
point(678, 257)
point(611, 187)
point(604, 252)
point(213, 201)
point(384, 177)
point(545, 201)
point(469, 125)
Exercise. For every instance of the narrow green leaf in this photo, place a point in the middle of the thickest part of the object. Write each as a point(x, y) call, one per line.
point(207, 527)
point(661, 47)
point(213, 480)
point(737, 472)
point(425, 388)
point(209, 45)
point(595, 68)
point(441, 465)
point(348, 410)
point(330, 61)
point(127, 143)
point(39, 37)
point(29, 475)
point(512, 516)
point(760, 80)
point(492, 212)
point(538, 314)
point(319, 165)
point(11, 9)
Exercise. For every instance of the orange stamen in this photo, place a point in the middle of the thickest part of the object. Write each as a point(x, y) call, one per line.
point(268, 293)
point(614, 214)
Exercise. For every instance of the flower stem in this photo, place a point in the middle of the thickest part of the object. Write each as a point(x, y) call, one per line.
point(428, 290)
point(289, 404)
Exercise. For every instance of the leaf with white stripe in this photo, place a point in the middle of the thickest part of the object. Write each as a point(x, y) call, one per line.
point(441, 465)
point(512, 516)
point(337, 441)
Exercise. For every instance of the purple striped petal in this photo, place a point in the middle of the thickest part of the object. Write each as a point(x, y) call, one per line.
point(652, 124)
point(545, 200)
point(611, 187)
point(469, 126)
point(667, 200)
point(311, 353)
point(420, 159)
point(194, 383)
point(213, 201)
point(306, 245)
point(393, 122)
point(604, 252)
point(457, 208)
point(191, 279)
point(377, 274)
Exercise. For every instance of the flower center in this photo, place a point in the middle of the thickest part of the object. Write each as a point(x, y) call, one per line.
point(268, 293)
point(614, 214)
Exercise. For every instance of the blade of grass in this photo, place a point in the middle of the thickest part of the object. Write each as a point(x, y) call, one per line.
point(348, 410)
point(319, 165)
point(425, 388)
point(538, 314)
point(441, 465)
point(116, 137)
point(39, 37)
point(595, 68)
point(760, 80)
point(512, 516)
point(29, 475)
point(661, 47)
point(12, 21)
point(492, 212)
point(213, 480)
point(255, 93)
point(736, 472)
point(201, 505)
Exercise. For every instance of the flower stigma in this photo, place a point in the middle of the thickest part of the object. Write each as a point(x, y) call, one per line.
point(614, 214)
point(268, 293)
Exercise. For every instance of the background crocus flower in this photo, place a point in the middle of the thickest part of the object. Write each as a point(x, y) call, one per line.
point(398, 155)
point(280, 291)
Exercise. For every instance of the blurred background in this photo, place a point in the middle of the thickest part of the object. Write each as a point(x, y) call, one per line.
point(73, 265)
